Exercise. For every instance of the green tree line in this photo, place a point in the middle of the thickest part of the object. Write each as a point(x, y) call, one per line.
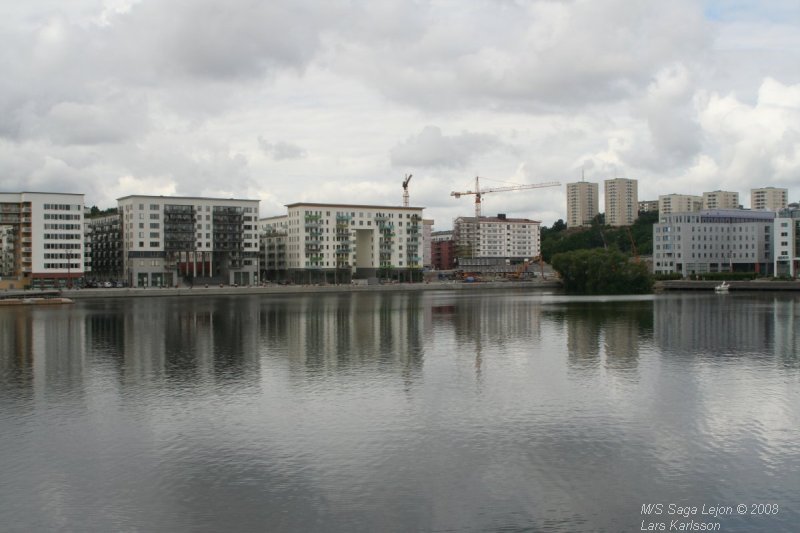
point(601, 271)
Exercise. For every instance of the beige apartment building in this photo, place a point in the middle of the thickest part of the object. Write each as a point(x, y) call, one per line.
point(770, 198)
point(646, 206)
point(582, 203)
point(621, 201)
point(679, 203)
point(721, 200)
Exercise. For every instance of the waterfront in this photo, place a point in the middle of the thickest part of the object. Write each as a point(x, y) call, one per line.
point(395, 411)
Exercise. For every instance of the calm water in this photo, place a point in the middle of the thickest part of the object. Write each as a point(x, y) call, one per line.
point(505, 411)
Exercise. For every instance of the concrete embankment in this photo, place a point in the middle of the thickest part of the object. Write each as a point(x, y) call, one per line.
point(307, 289)
point(692, 285)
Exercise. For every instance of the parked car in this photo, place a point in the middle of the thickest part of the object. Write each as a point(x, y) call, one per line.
point(108, 285)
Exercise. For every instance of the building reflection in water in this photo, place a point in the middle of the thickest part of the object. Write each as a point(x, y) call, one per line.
point(347, 332)
point(720, 325)
point(16, 348)
point(191, 339)
point(787, 323)
point(43, 351)
point(232, 340)
point(604, 333)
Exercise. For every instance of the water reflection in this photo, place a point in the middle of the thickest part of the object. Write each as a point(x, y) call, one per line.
point(721, 325)
point(604, 333)
point(395, 412)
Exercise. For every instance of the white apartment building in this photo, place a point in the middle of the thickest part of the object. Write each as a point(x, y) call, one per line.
point(621, 201)
point(679, 203)
point(769, 198)
point(582, 203)
point(333, 242)
point(498, 237)
point(787, 242)
point(168, 239)
point(714, 240)
point(721, 200)
point(44, 238)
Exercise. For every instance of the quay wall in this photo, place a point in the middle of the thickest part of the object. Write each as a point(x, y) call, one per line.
point(79, 294)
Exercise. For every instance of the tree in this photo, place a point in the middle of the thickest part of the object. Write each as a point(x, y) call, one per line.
point(601, 271)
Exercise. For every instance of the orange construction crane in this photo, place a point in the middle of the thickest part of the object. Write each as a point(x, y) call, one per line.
point(478, 192)
point(633, 245)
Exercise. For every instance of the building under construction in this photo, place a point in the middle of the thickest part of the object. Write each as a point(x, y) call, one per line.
point(496, 245)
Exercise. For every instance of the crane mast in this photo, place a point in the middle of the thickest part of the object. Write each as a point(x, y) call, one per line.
point(405, 190)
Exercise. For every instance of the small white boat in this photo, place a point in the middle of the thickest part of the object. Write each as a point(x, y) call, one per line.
point(722, 287)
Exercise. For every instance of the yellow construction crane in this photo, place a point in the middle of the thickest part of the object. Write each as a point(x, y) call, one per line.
point(478, 192)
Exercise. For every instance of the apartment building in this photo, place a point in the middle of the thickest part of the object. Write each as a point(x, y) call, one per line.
point(104, 247)
point(334, 242)
point(582, 203)
point(443, 255)
point(273, 233)
point(500, 236)
point(8, 242)
point(721, 200)
point(169, 239)
point(713, 240)
point(646, 206)
point(679, 203)
point(43, 243)
point(787, 242)
point(427, 231)
point(770, 198)
point(621, 201)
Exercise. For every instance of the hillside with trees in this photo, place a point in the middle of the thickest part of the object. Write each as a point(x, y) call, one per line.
point(559, 239)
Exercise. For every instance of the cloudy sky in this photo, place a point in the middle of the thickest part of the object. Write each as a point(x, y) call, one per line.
point(337, 100)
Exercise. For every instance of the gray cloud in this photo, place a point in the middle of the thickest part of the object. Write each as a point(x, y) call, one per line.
point(430, 148)
point(105, 97)
point(281, 150)
point(531, 56)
